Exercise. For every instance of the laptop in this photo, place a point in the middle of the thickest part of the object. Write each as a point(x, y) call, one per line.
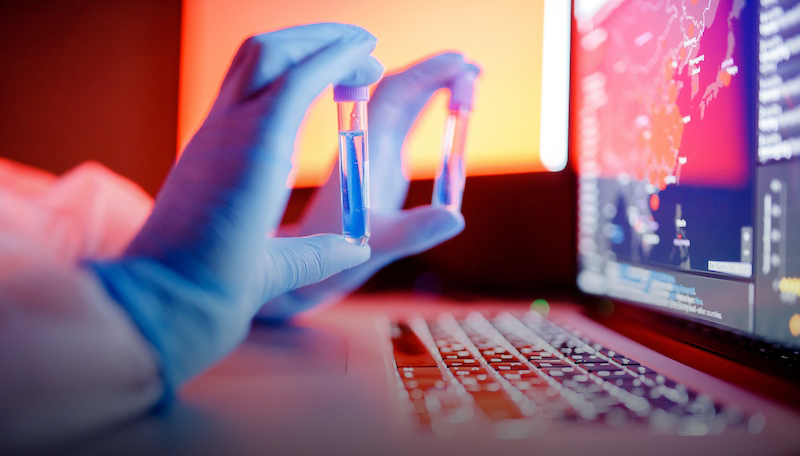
point(683, 334)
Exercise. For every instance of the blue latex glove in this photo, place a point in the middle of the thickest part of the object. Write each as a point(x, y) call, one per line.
point(202, 265)
point(396, 233)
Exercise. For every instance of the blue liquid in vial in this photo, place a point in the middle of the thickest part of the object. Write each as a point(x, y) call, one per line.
point(353, 174)
point(449, 184)
point(441, 190)
point(448, 188)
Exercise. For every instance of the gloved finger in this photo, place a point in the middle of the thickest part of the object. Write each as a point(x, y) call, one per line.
point(412, 231)
point(262, 59)
point(347, 59)
point(462, 88)
point(395, 106)
point(291, 263)
point(400, 97)
point(367, 72)
point(394, 236)
point(401, 92)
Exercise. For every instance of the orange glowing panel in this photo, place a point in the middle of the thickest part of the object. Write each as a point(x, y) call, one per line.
point(503, 36)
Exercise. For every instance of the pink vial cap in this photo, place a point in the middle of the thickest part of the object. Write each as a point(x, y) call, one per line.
point(461, 91)
point(350, 93)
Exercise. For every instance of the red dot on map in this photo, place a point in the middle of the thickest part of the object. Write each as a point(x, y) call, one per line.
point(724, 77)
point(655, 202)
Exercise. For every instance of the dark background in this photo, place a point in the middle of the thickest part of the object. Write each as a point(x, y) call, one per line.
point(91, 79)
point(98, 80)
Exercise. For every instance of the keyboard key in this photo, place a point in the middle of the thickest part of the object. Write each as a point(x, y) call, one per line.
point(534, 350)
point(568, 376)
point(585, 358)
point(562, 371)
point(548, 364)
point(424, 383)
point(642, 370)
point(536, 359)
point(582, 384)
point(625, 361)
point(421, 412)
point(497, 406)
point(460, 362)
point(608, 353)
point(591, 367)
point(608, 374)
point(626, 382)
point(417, 372)
point(408, 348)
point(469, 369)
point(508, 366)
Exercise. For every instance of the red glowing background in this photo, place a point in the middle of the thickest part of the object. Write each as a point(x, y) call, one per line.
point(503, 36)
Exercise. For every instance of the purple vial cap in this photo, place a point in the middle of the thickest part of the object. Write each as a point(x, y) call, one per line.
point(350, 93)
point(461, 91)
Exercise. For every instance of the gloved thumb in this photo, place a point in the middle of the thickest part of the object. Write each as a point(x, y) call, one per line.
point(296, 262)
point(413, 231)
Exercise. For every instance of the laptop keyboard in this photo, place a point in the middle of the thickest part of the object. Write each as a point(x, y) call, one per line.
point(524, 368)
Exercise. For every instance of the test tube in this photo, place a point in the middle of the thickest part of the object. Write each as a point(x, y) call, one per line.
point(353, 161)
point(448, 188)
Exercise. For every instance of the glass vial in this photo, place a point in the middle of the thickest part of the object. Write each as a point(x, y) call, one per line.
point(448, 188)
point(353, 161)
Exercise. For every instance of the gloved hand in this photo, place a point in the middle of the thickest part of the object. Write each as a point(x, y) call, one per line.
point(196, 273)
point(396, 233)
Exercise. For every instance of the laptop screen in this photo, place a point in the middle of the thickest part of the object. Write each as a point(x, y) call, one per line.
point(686, 138)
